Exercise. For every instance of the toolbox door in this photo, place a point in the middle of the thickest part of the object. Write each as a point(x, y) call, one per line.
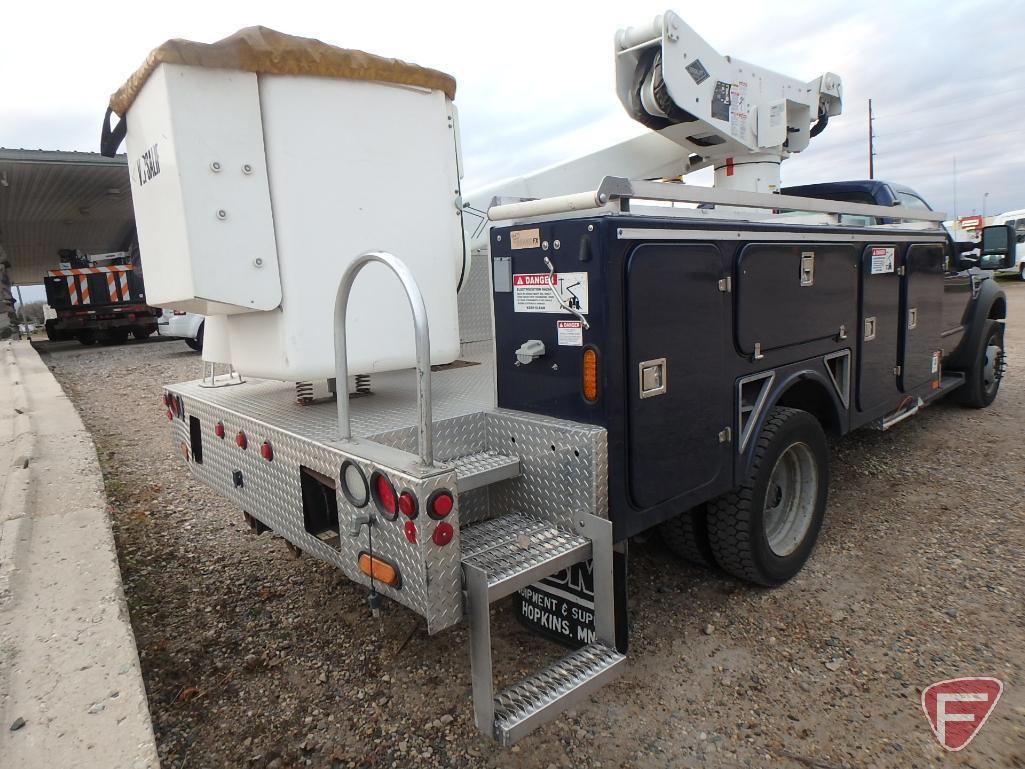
point(677, 397)
point(922, 317)
point(879, 327)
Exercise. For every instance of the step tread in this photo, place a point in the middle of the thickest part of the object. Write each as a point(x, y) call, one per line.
point(580, 672)
point(484, 468)
point(513, 544)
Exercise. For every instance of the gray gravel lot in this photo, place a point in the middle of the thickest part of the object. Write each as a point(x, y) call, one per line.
point(255, 659)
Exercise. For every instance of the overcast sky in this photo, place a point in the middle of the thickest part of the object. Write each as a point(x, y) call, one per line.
point(536, 83)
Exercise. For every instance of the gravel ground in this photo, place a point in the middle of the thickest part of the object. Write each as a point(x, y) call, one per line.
point(253, 658)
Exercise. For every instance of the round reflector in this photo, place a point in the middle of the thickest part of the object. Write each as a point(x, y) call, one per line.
point(354, 484)
point(440, 504)
point(384, 495)
point(266, 451)
point(219, 429)
point(410, 529)
point(241, 441)
point(443, 533)
point(407, 504)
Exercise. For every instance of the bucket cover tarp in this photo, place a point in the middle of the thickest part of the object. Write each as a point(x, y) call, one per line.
point(267, 51)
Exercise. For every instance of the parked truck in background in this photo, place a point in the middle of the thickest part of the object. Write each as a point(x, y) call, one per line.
point(98, 298)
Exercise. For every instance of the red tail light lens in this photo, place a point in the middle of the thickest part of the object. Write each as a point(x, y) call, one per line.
point(384, 495)
point(266, 451)
point(440, 504)
point(410, 530)
point(219, 429)
point(407, 504)
point(170, 416)
point(241, 441)
point(443, 533)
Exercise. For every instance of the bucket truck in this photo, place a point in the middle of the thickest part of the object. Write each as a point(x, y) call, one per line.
point(451, 416)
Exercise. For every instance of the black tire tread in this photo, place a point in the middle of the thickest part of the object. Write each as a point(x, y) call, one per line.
point(687, 538)
point(972, 393)
point(729, 516)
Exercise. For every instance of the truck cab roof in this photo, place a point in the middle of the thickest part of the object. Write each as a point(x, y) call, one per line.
point(872, 191)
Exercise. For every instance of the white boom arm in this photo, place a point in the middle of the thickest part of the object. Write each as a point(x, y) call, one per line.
point(704, 109)
point(741, 118)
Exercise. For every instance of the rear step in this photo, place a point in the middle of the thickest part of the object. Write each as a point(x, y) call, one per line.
point(539, 698)
point(499, 557)
point(484, 468)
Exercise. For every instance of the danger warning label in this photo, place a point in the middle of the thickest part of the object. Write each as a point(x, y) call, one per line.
point(541, 292)
point(882, 260)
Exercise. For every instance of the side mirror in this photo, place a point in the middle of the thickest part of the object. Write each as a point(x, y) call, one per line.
point(998, 246)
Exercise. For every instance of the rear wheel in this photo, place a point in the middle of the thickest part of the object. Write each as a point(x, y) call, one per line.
point(1021, 271)
point(197, 343)
point(982, 381)
point(687, 536)
point(87, 337)
point(142, 332)
point(765, 530)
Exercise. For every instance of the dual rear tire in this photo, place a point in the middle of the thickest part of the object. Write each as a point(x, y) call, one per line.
point(764, 531)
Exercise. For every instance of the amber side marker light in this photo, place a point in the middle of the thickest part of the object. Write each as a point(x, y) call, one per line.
point(380, 570)
point(589, 374)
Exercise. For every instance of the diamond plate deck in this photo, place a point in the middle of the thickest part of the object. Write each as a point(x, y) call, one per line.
point(495, 462)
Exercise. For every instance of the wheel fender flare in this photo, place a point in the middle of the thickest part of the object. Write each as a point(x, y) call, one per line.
point(991, 302)
point(790, 389)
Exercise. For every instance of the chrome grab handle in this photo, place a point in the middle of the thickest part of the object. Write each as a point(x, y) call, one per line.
point(425, 438)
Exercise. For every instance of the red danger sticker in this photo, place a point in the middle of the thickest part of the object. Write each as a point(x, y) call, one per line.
point(560, 292)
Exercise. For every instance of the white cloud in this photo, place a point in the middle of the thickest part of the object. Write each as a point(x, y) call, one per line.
point(536, 81)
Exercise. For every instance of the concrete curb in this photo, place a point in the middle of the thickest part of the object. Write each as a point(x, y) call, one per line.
point(69, 667)
point(15, 475)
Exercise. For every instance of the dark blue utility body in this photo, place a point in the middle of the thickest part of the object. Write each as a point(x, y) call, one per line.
point(723, 303)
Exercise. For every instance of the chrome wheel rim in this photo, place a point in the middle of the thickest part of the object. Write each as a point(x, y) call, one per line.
point(790, 499)
point(992, 368)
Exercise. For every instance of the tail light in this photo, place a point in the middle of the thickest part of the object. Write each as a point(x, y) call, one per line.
point(170, 416)
point(379, 569)
point(179, 312)
point(589, 375)
point(384, 495)
point(440, 504)
point(219, 429)
point(443, 533)
point(241, 441)
point(407, 504)
point(266, 451)
point(410, 530)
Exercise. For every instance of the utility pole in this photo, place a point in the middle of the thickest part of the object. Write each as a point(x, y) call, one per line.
point(871, 144)
point(984, 196)
point(955, 188)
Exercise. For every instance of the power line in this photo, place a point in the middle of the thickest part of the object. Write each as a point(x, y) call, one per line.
point(948, 104)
